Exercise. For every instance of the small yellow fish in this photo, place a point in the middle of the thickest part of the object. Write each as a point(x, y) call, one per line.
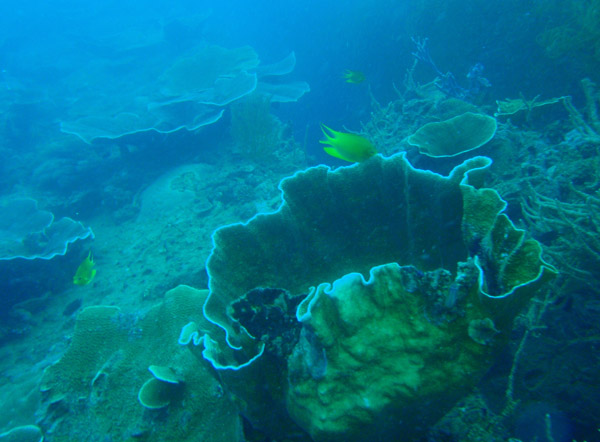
point(347, 147)
point(85, 272)
point(354, 77)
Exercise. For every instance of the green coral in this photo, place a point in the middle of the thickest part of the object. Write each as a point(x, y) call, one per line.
point(356, 221)
point(337, 222)
point(394, 359)
point(452, 137)
point(212, 73)
point(106, 369)
point(160, 390)
point(509, 263)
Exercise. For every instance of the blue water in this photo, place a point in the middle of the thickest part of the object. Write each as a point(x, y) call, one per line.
point(91, 118)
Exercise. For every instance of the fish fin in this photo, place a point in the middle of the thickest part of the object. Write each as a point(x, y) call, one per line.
point(331, 138)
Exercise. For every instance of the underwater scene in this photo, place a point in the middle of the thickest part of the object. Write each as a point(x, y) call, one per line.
point(296, 221)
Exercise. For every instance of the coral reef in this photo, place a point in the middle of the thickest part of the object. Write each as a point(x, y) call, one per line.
point(557, 191)
point(403, 283)
point(352, 220)
point(415, 107)
point(30, 233)
point(393, 353)
point(577, 222)
point(548, 174)
point(188, 91)
point(103, 380)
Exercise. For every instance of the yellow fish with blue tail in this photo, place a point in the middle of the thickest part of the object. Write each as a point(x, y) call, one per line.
point(347, 147)
point(354, 77)
point(85, 272)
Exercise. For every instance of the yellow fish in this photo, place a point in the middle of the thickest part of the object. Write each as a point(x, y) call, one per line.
point(85, 272)
point(354, 77)
point(347, 147)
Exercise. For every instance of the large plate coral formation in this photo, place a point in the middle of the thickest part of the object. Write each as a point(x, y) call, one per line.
point(401, 282)
point(426, 275)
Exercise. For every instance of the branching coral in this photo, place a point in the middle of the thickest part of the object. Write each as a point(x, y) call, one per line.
point(588, 123)
point(386, 127)
point(576, 226)
point(558, 190)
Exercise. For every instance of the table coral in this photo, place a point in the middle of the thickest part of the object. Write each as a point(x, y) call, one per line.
point(452, 137)
point(30, 233)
